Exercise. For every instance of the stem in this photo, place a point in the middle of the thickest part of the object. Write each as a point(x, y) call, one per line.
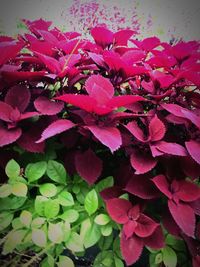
point(11, 262)
point(37, 256)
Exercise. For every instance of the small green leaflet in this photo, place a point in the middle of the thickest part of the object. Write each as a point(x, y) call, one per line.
point(26, 218)
point(5, 220)
point(169, 257)
point(65, 261)
point(34, 171)
point(56, 172)
point(65, 199)
point(12, 169)
point(91, 202)
point(19, 189)
point(5, 190)
point(48, 190)
point(39, 237)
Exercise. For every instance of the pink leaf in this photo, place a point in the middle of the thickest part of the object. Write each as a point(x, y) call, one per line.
point(184, 216)
point(156, 240)
point(162, 184)
point(156, 129)
point(123, 100)
point(9, 136)
point(121, 37)
point(5, 111)
point(55, 128)
point(9, 50)
point(145, 226)
point(131, 248)
point(136, 131)
point(142, 186)
point(88, 166)
point(188, 191)
point(118, 209)
point(109, 136)
point(51, 63)
point(142, 163)
point(47, 107)
point(102, 36)
point(171, 148)
point(193, 147)
point(129, 228)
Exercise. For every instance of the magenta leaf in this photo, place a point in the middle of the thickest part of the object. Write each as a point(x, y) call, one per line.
point(47, 107)
point(9, 136)
point(145, 226)
point(102, 36)
point(188, 191)
point(124, 100)
point(109, 136)
point(55, 128)
point(141, 162)
point(5, 111)
point(156, 129)
point(9, 50)
point(118, 209)
point(162, 184)
point(129, 228)
point(121, 37)
point(156, 240)
point(171, 148)
point(131, 248)
point(88, 166)
point(142, 186)
point(136, 131)
point(184, 216)
point(18, 96)
point(193, 147)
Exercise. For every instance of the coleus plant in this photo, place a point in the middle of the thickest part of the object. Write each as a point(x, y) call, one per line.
point(111, 106)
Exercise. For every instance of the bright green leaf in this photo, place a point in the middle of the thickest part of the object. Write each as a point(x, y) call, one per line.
point(106, 230)
point(91, 202)
point(56, 172)
point(39, 237)
point(5, 190)
point(65, 199)
point(169, 257)
point(75, 243)
point(34, 171)
point(19, 189)
point(5, 220)
point(70, 216)
point(118, 262)
point(102, 219)
point(92, 235)
point(17, 224)
point(26, 218)
point(105, 183)
point(40, 204)
point(51, 208)
point(13, 239)
point(37, 222)
point(158, 258)
point(12, 169)
point(65, 261)
point(48, 190)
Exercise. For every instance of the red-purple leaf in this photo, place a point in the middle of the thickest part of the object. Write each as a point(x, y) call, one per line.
point(156, 240)
point(193, 147)
point(51, 63)
point(18, 96)
point(141, 162)
point(47, 107)
point(188, 191)
point(111, 192)
point(109, 136)
point(136, 131)
point(55, 128)
point(129, 228)
point(9, 50)
point(162, 184)
point(118, 209)
point(171, 148)
point(123, 100)
point(156, 129)
point(131, 248)
point(88, 166)
point(121, 37)
point(145, 226)
point(5, 111)
point(9, 136)
point(184, 216)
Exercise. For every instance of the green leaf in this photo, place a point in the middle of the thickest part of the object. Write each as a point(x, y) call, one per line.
point(75, 243)
point(65, 261)
point(105, 183)
point(19, 189)
point(17, 224)
point(26, 218)
point(92, 235)
point(178, 244)
point(48, 190)
point(48, 262)
point(51, 208)
point(105, 242)
point(39, 237)
point(5, 190)
point(5, 220)
point(34, 171)
point(12, 169)
point(70, 216)
point(106, 230)
point(40, 204)
point(11, 203)
point(102, 219)
point(65, 199)
point(55, 232)
point(104, 259)
point(37, 222)
point(13, 239)
point(91, 202)
point(158, 258)
point(169, 257)
point(118, 262)
point(56, 172)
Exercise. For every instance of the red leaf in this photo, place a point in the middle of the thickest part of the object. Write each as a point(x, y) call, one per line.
point(88, 166)
point(193, 148)
point(145, 226)
point(5, 112)
point(111, 192)
point(123, 100)
point(51, 63)
point(131, 248)
point(47, 107)
point(121, 37)
point(190, 167)
point(11, 77)
point(184, 216)
point(109, 136)
point(162, 184)
point(156, 240)
point(136, 131)
point(55, 128)
point(9, 50)
point(118, 209)
point(129, 228)
point(142, 163)
point(188, 191)
point(102, 36)
point(156, 129)
point(9, 136)
point(142, 186)
point(171, 148)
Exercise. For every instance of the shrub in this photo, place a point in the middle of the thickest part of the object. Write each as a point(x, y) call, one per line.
point(100, 140)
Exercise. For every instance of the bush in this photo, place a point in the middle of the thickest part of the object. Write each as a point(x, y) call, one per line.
point(100, 141)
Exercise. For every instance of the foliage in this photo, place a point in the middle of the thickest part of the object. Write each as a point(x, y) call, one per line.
point(99, 144)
